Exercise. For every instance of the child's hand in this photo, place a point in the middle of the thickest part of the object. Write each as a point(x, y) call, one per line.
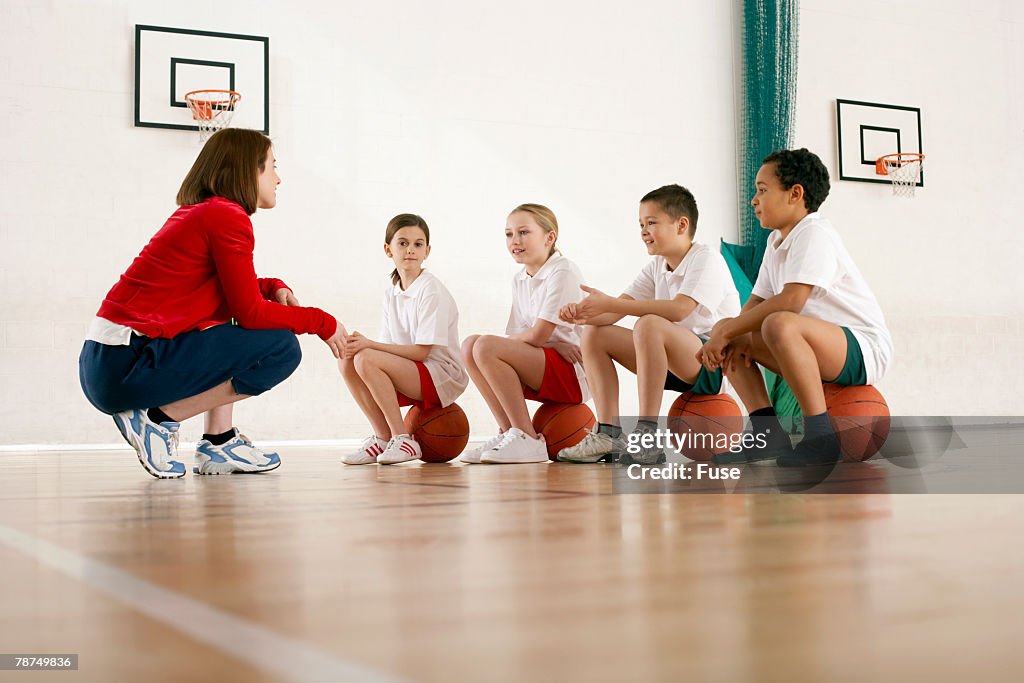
point(567, 313)
point(739, 350)
point(354, 343)
point(593, 305)
point(712, 353)
point(336, 342)
point(568, 351)
point(285, 297)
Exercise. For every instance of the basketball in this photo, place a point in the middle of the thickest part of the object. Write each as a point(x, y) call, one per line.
point(442, 433)
point(710, 424)
point(860, 417)
point(563, 424)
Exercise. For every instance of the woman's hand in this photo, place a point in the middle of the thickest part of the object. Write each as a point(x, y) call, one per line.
point(336, 342)
point(285, 297)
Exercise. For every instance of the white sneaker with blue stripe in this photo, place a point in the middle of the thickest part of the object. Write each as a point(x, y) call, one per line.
point(238, 455)
point(155, 444)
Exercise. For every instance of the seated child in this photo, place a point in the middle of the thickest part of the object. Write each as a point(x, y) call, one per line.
point(681, 293)
point(811, 316)
point(416, 361)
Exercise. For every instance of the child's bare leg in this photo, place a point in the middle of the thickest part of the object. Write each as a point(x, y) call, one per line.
point(661, 345)
point(806, 350)
point(384, 374)
point(219, 396)
point(482, 386)
point(748, 381)
point(506, 365)
point(604, 346)
point(364, 399)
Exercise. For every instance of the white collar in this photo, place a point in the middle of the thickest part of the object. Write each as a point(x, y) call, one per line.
point(804, 223)
point(416, 285)
point(544, 271)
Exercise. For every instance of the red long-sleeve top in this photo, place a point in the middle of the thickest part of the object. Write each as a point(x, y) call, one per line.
point(197, 272)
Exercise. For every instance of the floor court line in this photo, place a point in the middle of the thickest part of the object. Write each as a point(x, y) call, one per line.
point(257, 646)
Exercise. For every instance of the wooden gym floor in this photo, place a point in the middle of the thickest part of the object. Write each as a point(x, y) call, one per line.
point(320, 572)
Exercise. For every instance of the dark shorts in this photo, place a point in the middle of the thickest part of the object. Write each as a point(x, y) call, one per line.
point(149, 372)
point(427, 388)
point(853, 372)
point(709, 383)
point(560, 384)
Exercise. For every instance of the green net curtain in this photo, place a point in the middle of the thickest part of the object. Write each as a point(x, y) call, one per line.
point(768, 92)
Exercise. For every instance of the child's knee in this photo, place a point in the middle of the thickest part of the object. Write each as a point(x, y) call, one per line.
point(485, 347)
point(365, 361)
point(648, 326)
point(467, 347)
point(593, 338)
point(347, 367)
point(778, 326)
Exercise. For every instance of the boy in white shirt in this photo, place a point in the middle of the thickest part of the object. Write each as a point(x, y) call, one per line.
point(676, 299)
point(811, 316)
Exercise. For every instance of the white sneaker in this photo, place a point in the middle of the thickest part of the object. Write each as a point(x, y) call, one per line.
point(401, 448)
point(516, 447)
point(473, 457)
point(155, 444)
point(367, 453)
point(237, 456)
point(595, 447)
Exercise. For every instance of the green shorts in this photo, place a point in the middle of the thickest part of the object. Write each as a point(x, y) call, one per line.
point(709, 383)
point(853, 373)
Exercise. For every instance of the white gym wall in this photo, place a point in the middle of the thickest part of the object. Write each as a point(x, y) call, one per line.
point(459, 111)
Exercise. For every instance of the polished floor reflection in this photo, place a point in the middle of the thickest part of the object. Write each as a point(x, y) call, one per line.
point(501, 573)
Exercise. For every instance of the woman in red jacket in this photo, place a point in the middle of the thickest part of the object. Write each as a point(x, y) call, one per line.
point(190, 329)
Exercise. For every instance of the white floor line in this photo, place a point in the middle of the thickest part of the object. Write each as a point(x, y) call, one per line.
point(250, 643)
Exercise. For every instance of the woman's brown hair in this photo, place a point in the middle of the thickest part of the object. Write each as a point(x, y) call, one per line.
point(228, 166)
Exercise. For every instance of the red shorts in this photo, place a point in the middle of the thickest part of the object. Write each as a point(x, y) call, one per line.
point(560, 383)
point(427, 388)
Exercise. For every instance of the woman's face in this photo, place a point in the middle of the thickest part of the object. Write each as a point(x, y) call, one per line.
point(267, 182)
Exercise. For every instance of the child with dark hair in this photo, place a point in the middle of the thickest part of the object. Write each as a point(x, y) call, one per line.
point(415, 360)
point(810, 318)
point(681, 293)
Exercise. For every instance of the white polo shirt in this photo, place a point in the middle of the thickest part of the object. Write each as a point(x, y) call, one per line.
point(813, 254)
point(426, 314)
point(541, 296)
point(702, 275)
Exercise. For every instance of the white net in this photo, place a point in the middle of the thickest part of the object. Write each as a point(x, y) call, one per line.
point(212, 110)
point(905, 172)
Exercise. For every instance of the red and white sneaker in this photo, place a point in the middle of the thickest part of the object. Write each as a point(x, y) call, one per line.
point(367, 453)
point(401, 448)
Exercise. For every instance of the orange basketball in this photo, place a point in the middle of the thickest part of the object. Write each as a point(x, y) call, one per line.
point(860, 417)
point(562, 424)
point(442, 433)
point(708, 423)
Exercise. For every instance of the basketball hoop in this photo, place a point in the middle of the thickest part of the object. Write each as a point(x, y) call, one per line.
point(905, 170)
point(212, 109)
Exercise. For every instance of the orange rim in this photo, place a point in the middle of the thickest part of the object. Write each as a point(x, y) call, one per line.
point(206, 103)
point(882, 163)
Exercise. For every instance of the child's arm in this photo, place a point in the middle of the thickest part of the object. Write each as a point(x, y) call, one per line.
point(792, 298)
point(598, 307)
point(538, 335)
point(356, 342)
